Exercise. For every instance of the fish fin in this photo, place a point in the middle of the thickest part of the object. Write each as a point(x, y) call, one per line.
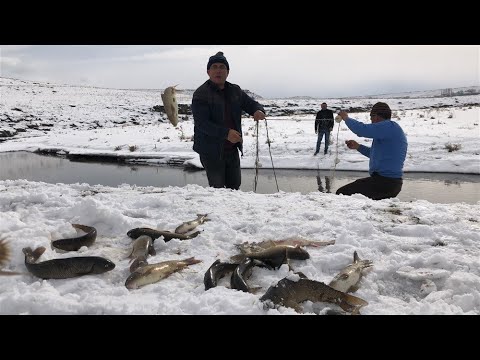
point(260, 263)
point(294, 305)
point(151, 250)
point(9, 273)
point(191, 261)
point(254, 290)
point(353, 288)
point(301, 274)
point(138, 262)
point(351, 303)
point(237, 258)
point(4, 252)
point(355, 257)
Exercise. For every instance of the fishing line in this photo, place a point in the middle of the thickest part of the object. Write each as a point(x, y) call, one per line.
point(257, 162)
point(336, 160)
point(271, 158)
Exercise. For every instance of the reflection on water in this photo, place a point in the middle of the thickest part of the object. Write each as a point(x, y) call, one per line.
point(434, 187)
point(327, 188)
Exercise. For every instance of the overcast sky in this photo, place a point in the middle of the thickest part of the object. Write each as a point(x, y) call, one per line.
point(268, 70)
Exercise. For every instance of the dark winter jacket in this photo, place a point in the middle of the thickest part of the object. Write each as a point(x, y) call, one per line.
point(208, 107)
point(324, 120)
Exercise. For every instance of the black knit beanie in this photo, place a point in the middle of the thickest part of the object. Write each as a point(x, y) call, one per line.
point(218, 58)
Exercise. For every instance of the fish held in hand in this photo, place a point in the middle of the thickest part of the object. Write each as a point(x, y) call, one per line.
point(190, 225)
point(348, 278)
point(170, 104)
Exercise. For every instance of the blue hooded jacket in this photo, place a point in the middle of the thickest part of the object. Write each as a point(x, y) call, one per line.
point(389, 147)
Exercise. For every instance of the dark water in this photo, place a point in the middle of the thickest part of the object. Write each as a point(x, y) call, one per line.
point(434, 187)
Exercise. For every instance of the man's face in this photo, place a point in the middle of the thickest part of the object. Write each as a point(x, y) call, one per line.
point(218, 73)
point(324, 106)
point(374, 118)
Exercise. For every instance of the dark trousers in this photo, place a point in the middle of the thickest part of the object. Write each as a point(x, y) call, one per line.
point(321, 133)
point(225, 172)
point(375, 187)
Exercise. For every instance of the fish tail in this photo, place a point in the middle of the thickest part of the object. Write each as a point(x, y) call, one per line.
point(191, 261)
point(4, 252)
point(352, 303)
point(9, 273)
point(33, 255)
point(237, 258)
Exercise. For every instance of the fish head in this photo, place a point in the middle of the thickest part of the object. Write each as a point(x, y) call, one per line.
point(297, 253)
point(131, 233)
point(170, 90)
point(102, 265)
point(134, 280)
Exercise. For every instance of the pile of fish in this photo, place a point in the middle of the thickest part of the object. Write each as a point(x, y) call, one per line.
point(290, 291)
point(143, 273)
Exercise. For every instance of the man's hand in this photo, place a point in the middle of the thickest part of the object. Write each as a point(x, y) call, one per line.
point(258, 115)
point(234, 136)
point(343, 114)
point(352, 144)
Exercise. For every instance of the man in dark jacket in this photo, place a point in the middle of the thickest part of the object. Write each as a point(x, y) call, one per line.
point(217, 107)
point(323, 126)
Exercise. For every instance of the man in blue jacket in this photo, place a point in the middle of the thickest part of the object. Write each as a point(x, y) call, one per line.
point(217, 107)
point(387, 154)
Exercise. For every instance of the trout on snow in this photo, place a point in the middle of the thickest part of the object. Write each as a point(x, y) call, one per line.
point(243, 272)
point(348, 278)
point(149, 274)
point(215, 272)
point(293, 241)
point(66, 267)
point(190, 225)
point(275, 256)
point(291, 293)
point(155, 234)
point(75, 243)
point(142, 246)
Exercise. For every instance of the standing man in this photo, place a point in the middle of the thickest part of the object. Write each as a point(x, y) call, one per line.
point(323, 126)
point(217, 112)
point(387, 154)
